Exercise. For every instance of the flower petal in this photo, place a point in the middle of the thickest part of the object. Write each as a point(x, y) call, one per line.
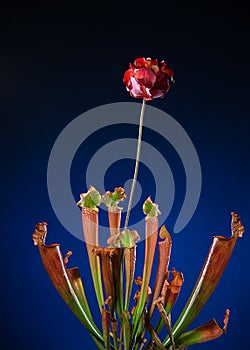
point(145, 77)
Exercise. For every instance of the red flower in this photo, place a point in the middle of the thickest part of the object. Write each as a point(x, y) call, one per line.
point(146, 78)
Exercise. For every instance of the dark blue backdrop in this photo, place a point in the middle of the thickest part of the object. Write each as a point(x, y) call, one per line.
point(59, 60)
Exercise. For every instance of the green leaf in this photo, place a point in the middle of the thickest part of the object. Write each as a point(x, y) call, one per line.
point(206, 332)
point(106, 321)
point(75, 278)
point(114, 216)
point(90, 199)
point(114, 327)
point(164, 251)
point(105, 254)
point(150, 209)
point(129, 260)
point(169, 294)
point(150, 245)
point(126, 329)
point(216, 261)
point(125, 239)
point(53, 262)
point(111, 199)
point(129, 238)
point(90, 231)
point(117, 267)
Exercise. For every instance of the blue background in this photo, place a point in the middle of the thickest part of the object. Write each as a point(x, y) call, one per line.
point(60, 59)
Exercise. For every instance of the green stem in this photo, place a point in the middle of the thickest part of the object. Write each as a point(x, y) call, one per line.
point(166, 319)
point(114, 326)
point(98, 344)
point(129, 260)
point(136, 164)
point(126, 329)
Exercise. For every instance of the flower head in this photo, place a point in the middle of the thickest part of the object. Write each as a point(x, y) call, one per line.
point(146, 78)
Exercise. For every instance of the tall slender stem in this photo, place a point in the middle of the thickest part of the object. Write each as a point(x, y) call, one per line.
point(136, 164)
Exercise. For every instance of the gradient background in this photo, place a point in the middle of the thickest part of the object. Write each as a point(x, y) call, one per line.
point(59, 60)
